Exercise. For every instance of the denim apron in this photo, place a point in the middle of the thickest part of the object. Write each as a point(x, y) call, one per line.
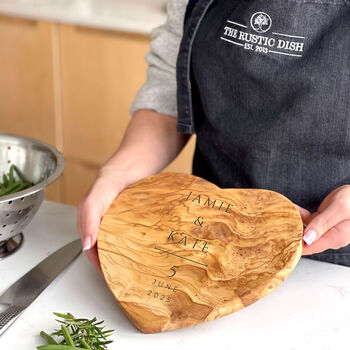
point(265, 87)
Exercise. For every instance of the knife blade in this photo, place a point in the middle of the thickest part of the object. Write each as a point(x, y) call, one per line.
point(22, 293)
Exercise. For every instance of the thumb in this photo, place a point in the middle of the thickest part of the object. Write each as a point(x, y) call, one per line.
point(88, 223)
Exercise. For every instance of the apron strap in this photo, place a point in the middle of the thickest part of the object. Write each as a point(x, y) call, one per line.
point(189, 8)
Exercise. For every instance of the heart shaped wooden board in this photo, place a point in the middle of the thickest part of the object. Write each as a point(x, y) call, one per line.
point(177, 250)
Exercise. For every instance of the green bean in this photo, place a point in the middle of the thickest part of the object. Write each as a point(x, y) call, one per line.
point(10, 185)
point(23, 186)
point(48, 338)
point(6, 182)
point(15, 187)
point(20, 174)
point(67, 336)
point(12, 179)
point(10, 188)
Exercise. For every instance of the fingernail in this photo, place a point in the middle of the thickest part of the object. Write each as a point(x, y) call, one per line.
point(87, 243)
point(310, 236)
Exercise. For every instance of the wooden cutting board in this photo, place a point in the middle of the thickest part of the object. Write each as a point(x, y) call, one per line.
point(177, 250)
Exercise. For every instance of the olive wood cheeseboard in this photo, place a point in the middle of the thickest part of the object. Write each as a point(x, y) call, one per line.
point(176, 250)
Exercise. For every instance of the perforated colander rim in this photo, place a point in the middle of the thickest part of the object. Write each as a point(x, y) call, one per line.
point(60, 164)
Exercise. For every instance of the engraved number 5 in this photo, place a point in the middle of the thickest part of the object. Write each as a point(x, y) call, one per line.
point(174, 271)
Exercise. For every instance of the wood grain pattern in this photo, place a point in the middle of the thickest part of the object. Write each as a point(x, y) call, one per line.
point(173, 259)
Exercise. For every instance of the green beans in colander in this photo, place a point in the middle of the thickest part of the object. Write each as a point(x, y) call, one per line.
point(11, 185)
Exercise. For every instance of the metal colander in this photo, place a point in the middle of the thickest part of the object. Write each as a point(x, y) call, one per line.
point(41, 164)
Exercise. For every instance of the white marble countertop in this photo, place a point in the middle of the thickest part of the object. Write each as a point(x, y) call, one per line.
point(137, 16)
point(310, 310)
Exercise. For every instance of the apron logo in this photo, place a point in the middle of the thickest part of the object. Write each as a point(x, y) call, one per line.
point(273, 43)
point(261, 22)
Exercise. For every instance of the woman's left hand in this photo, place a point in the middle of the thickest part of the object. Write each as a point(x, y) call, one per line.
point(329, 227)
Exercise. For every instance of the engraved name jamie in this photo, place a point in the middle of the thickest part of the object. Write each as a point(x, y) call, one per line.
point(211, 203)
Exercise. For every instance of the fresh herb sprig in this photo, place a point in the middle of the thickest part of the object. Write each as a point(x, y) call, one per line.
point(10, 184)
point(77, 333)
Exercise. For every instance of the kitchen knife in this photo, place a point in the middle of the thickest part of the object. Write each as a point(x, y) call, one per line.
point(23, 292)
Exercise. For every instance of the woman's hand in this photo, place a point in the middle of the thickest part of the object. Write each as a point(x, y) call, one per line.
point(304, 213)
point(329, 227)
point(109, 183)
point(150, 143)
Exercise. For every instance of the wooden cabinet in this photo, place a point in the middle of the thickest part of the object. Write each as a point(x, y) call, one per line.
point(27, 103)
point(72, 87)
point(101, 73)
point(26, 84)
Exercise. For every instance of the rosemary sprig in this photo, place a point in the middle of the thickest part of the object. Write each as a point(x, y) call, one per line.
point(77, 333)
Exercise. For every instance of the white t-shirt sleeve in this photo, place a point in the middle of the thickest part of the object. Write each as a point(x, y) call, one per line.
point(159, 91)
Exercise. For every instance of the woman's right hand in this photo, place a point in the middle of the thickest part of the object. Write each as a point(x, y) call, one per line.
point(150, 143)
point(107, 186)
